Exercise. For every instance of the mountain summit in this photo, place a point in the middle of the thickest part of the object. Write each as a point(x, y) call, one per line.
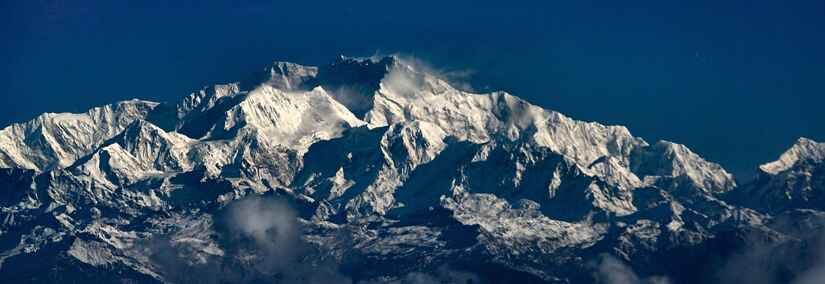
point(367, 170)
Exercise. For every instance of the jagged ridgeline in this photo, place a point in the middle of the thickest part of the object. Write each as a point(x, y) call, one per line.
point(373, 170)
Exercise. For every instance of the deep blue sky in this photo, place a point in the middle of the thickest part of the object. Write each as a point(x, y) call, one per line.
point(737, 81)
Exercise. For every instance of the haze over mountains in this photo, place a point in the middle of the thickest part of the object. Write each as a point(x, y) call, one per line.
point(375, 170)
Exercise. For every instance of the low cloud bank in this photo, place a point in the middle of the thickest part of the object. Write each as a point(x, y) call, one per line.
point(610, 270)
point(265, 228)
point(442, 275)
point(791, 260)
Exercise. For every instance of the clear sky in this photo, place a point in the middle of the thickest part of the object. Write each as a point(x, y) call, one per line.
point(736, 81)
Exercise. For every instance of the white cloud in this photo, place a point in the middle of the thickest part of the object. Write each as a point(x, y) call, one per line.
point(610, 270)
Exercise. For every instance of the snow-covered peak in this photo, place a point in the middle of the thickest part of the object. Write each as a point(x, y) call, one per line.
point(390, 90)
point(290, 76)
point(354, 81)
point(195, 112)
point(292, 119)
point(795, 180)
point(668, 159)
point(152, 145)
point(57, 140)
point(406, 94)
point(804, 150)
point(113, 166)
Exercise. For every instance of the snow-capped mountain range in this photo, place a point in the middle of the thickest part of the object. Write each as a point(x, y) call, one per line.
point(373, 170)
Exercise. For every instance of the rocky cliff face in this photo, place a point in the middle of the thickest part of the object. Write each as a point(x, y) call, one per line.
point(372, 170)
